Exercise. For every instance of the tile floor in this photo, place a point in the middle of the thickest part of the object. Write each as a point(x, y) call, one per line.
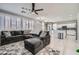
point(65, 47)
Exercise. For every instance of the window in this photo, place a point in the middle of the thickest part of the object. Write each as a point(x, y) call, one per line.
point(30, 25)
point(55, 26)
point(49, 26)
point(13, 23)
point(7, 22)
point(19, 24)
point(1, 22)
point(25, 24)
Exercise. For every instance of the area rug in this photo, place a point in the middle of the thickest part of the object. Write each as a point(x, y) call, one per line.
point(17, 48)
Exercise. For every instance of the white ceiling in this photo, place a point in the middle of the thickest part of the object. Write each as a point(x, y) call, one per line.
point(52, 11)
point(58, 10)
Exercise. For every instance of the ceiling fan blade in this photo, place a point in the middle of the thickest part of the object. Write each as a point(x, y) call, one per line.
point(36, 12)
point(33, 7)
point(39, 10)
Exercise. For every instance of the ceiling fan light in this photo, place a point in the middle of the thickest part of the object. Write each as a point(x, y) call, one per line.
point(32, 13)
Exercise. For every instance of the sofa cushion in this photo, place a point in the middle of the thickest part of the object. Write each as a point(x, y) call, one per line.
point(43, 34)
point(12, 37)
point(39, 33)
point(14, 33)
point(7, 33)
point(22, 32)
point(36, 42)
point(36, 32)
point(18, 33)
point(26, 31)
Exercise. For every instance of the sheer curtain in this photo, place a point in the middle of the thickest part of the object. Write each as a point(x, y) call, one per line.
point(19, 23)
point(7, 22)
point(2, 22)
point(13, 23)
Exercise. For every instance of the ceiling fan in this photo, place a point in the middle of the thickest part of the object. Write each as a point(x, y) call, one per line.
point(35, 10)
point(24, 10)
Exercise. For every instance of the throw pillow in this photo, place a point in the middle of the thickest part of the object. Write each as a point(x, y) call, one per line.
point(27, 31)
point(43, 34)
point(7, 34)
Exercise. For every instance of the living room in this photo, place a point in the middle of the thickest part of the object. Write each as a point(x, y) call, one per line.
point(39, 28)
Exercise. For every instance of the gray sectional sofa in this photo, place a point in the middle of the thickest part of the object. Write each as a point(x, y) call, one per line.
point(32, 42)
point(7, 37)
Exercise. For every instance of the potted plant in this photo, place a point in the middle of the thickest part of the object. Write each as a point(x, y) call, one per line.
point(77, 50)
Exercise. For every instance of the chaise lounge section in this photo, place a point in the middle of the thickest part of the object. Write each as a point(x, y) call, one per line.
point(35, 44)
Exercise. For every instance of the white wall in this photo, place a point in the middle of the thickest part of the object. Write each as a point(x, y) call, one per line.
point(78, 27)
point(37, 27)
